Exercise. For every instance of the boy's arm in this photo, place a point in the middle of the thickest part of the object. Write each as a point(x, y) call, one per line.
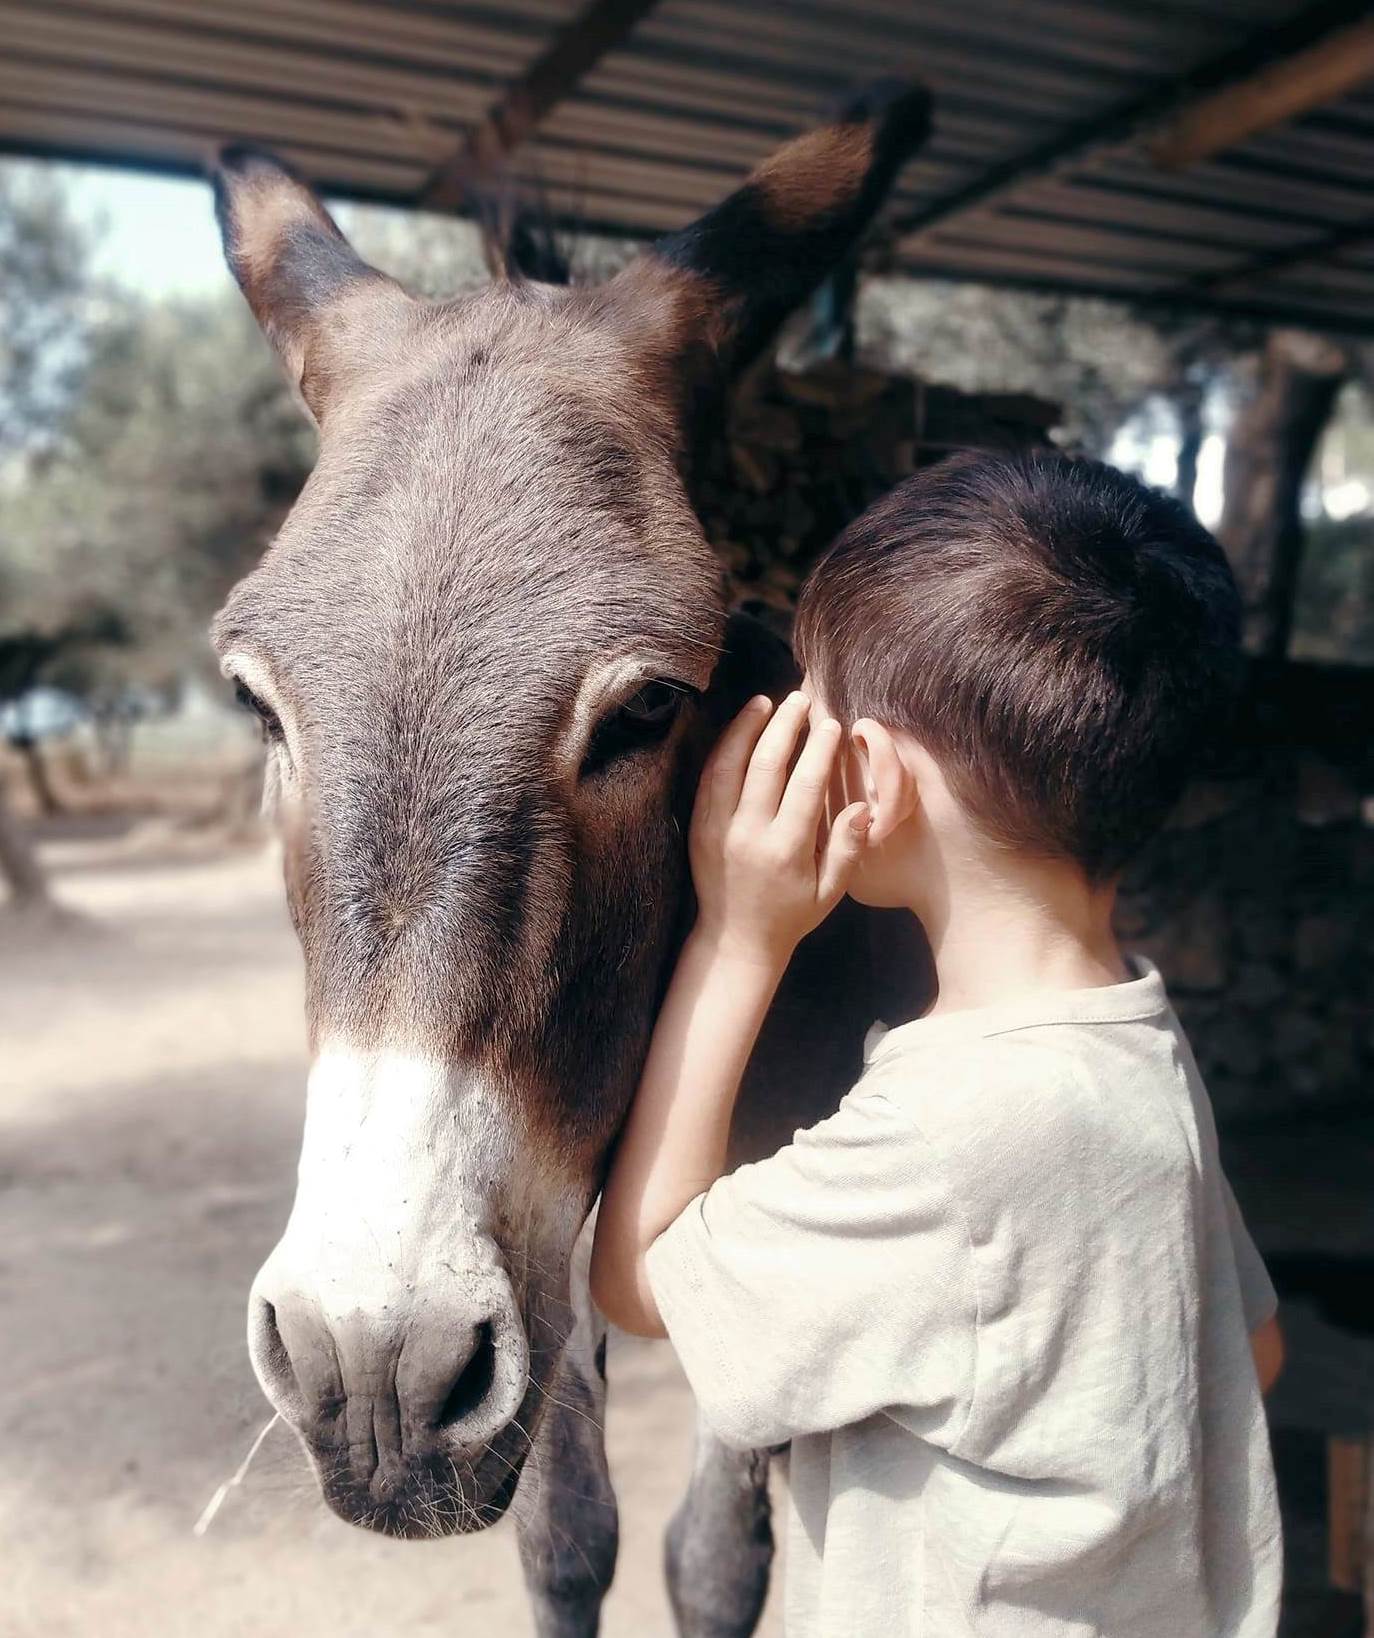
point(1266, 1344)
point(1259, 1301)
point(674, 1141)
point(762, 884)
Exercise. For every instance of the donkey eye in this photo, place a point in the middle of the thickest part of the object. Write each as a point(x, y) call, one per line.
point(271, 724)
point(636, 723)
point(655, 702)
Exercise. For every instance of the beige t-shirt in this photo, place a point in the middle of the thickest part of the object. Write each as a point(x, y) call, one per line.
point(999, 1303)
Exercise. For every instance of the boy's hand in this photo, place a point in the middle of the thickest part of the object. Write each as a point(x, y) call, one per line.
point(766, 867)
point(767, 871)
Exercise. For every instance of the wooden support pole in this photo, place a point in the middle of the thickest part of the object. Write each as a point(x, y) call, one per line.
point(572, 53)
point(1367, 1545)
point(1347, 1480)
point(1323, 72)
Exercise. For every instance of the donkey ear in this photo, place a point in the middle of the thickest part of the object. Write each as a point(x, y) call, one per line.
point(754, 659)
point(764, 249)
point(308, 289)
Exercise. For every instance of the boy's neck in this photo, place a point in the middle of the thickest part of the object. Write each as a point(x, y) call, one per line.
point(1004, 928)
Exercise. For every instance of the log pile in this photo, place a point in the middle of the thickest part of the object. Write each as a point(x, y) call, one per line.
point(803, 454)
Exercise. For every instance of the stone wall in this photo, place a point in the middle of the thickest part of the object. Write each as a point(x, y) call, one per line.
point(1258, 900)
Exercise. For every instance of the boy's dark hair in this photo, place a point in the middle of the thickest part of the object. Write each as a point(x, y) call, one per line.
point(1062, 640)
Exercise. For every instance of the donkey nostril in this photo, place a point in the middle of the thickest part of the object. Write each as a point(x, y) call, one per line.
point(273, 1360)
point(275, 1356)
point(474, 1381)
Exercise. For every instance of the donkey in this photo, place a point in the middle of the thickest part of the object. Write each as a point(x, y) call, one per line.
point(490, 648)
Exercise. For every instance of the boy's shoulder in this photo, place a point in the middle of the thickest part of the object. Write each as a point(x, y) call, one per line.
point(1053, 1091)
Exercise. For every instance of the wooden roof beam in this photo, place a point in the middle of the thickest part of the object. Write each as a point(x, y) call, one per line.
point(1278, 260)
point(1126, 121)
point(555, 74)
point(1294, 85)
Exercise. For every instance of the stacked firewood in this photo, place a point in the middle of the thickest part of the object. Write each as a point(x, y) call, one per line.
point(803, 454)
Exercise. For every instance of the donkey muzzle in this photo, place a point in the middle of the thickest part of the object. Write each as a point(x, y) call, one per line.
point(381, 1394)
point(384, 1326)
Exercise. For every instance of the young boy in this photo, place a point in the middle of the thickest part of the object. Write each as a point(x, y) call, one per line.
point(999, 1301)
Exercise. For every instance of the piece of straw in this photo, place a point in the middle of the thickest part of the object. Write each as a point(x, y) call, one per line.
point(207, 1518)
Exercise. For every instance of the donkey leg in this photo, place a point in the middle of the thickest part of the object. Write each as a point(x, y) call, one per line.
point(720, 1542)
point(565, 1513)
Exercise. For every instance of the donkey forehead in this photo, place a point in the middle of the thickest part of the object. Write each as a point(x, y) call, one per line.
point(488, 508)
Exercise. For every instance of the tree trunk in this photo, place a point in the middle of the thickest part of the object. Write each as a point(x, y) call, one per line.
point(19, 866)
point(1267, 455)
point(1188, 406)
point(37, 769)
point(114, 738)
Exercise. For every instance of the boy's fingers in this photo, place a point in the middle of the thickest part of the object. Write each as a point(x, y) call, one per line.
point(723, 776)
point(767, 772)
point(803, 802)
point(843, 849)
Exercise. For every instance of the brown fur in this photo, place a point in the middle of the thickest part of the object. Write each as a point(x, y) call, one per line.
point(815, 174)
point(495, 552)
point(428, 615)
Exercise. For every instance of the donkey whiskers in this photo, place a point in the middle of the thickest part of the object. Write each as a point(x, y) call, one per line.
point(207, 1518)
point(573, 1410)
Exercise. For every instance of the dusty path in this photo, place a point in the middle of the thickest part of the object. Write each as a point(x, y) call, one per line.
point(151, 1075)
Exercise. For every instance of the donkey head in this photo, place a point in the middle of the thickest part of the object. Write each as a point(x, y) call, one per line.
point(489, 648)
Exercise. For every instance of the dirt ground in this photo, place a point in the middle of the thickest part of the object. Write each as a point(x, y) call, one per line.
point(151, 1081)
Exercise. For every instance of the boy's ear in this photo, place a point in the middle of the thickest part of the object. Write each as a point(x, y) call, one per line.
point(882, 778)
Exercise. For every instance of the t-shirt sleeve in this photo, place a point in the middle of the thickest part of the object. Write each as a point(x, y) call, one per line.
point(1257, 1295)
point(832, 1281)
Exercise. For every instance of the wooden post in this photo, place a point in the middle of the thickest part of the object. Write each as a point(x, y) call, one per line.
point(572, 52)
point(1367, 1545)
point(1346, 1481)
point(1267, 456)
point(1350, 1519)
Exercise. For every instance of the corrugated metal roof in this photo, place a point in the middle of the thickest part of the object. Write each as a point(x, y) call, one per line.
point(1036, 174)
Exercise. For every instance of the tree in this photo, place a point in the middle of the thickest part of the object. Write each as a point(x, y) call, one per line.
point(45, 292)
point(1092, 357)
point(1268, 452)
point(46, 301)
point(168, 476)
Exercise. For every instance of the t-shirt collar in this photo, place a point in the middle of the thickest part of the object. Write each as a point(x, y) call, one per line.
point(1137, 998)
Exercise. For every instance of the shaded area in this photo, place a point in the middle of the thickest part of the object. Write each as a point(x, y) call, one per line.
point(1340, 1288)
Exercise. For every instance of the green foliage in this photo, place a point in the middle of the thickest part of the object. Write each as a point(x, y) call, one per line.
point(172, 467)
point(431, 255)
point(148, 452)
point(1333, 613)
point(1099, 361)
point(1087, 356)
point(46, 297)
